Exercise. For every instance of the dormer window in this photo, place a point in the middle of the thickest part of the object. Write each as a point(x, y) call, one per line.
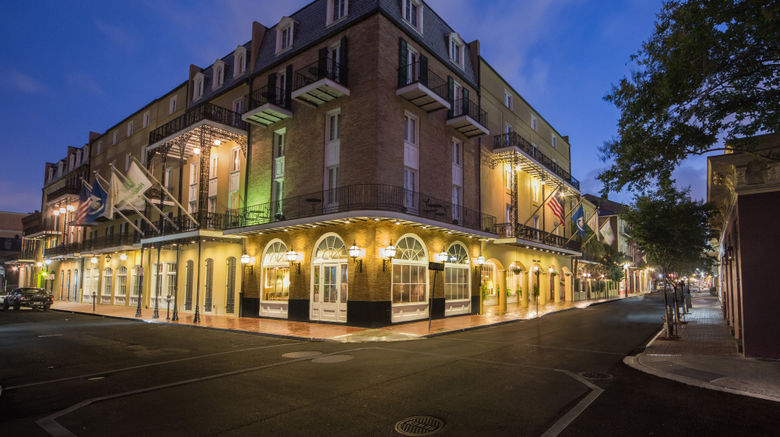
point(412, 13)
point(337, 9)
point(197, 86)
point(114, 137)
point(285, 34)
point(219, 74)
point(146, 119)
point(239, 61)
point(457, 48)
point(554, 141)
point(172, 104)
point(130, 127)
point(99, 148)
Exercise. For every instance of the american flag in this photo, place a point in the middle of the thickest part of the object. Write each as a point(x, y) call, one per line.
point(556, 207)
point(81, 212)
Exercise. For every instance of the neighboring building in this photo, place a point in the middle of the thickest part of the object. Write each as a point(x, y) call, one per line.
point(320, 167)
point(10, 248)
point(746, 191)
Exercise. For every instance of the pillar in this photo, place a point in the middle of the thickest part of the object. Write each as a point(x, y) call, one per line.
point(502, 283)
point(556, 287)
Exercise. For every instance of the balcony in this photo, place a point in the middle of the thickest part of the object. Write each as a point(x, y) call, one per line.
point(211, 120)
point(65, 190)
point(267, 105)
point(320, 82)
point(368, 198)
point(526, 235)
point(467, 118)
point(205, 221)
point(110, 242)
point(421, 87)
point(532, 159)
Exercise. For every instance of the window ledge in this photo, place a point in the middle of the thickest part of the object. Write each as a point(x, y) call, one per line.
point(283, 50)
point(333, 23)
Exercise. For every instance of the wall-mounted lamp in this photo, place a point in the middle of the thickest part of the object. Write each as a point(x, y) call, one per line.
point(70, 208)
point(56, 212)
point(217, 142)
point(47, 261)
point(123, 257)
point(478, 263)
point(626, 265)
point(730, 253)
point(356, 252)
point(295, 258)
point(39, 264)
point(388, 253)
point(63, 210)
point(108, 259)
point(440, 257)
point(94, 260)
point(249, 261)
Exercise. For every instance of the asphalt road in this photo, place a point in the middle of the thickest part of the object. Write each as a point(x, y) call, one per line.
point(66, 374)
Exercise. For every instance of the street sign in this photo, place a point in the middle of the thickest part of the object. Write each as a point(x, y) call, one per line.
point(438, 267)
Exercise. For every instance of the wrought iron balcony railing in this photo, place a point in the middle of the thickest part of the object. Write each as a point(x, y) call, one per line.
point(467, 107)
point(325, 68)
point(93, 244)
point(206, 220)
point(512, 139)
point(273, 95)
point(205, 111)
point(360, 197)
point(69, 188)
point(417, 72)
point(507, 230)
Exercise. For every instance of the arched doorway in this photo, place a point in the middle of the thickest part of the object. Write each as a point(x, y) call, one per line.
point(516, 289)
point(329, 280)
point(275, 292)
point(410, 280)
point(567, 284)
point(457, 281)
point(490, 282)
point(535, 295)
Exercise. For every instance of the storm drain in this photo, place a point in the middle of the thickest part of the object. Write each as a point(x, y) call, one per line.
point(419, 425)
point(596, 376)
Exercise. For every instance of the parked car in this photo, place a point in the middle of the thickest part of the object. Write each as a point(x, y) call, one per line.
point(3, 295)
point(29, 297)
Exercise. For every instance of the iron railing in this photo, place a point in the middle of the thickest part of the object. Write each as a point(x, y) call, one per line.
point(205, 111)
point(512, 139)
point(325, 68)
point(206, 220)
point(360, 197)
point(417, 72)
point(467, 107)
point(507, 230)
point(93, 244)
point(274, 95)
point(69, 188)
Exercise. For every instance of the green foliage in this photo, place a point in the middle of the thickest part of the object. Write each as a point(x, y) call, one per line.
point(710, 71)
point(671, 228)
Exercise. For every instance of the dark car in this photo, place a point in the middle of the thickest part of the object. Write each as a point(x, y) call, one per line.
point(29, 297)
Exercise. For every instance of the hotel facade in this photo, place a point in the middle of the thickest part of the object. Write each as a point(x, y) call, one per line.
point(313, 174)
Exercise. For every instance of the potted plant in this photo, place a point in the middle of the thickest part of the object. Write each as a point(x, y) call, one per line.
point(517, 269)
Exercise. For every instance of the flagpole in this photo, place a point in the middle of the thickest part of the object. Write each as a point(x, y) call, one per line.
point(595, 231)
point(97, 175)
point(579, 202)
point(165, 216)
point(146, 172)
point(544, 202)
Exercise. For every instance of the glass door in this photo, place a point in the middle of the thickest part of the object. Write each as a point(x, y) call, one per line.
point(329, 292)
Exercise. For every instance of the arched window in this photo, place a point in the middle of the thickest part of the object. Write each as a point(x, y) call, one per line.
point(456, 273)
point(410, 271)
point(276, 273)
point(188, 286)
point(209, 284)
point(230, 285)
point(330, 248)
point(121, 279)
point(330, 280)
point(107, 281)
point(75, 284)
point(134, 285)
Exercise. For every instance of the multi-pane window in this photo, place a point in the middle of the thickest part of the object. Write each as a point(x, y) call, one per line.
point(534, 123)
point(172, 104)
point(168, 179)
point(507, 129)
point(209, 286)
point(193, 192)
point(130, 127)
point(410, 129)
point(508, 176)
point(188, 285)
point(145, 122)
point(212, 207)
point(235, 159)
point(114, 137)
point(410, 269)
point(276, 273)
point(457, 153)
point(213, 162)
point(278, 171)
point(339, 9)
point(554, 141)
point(412, 13)
point(170, 279)
point(230, 285)
point(107, 276)
point(456, 273)
point(508, 99)
point(121, 277)
point(219, 75)
point(233, 184)
point(287, 37)
point(334, 126)
point(456, 50)
point(535, 191)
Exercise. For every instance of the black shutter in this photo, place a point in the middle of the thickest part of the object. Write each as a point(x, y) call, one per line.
point(403, 54)
point(451, 95)
point(465, 101)
point(322, 64)
point(423, 72)
point(272, 93)
point(342, 69)
point(288, 86)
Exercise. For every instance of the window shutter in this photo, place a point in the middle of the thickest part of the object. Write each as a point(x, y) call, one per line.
point(451, 88)
point(403, 54)
point(423, 72)
point(288, 86)
point(465, 101)
point(322, 63)
point(271, 91)
point(342, 72)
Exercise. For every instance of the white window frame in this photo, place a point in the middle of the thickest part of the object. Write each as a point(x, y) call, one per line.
point(415, 138)
point(114, 138)
point(457, 49)
point(534, 123)
point(218, 73)
point(130, 127)
point(331, 16)
point(197, 86)
point(409, 17)
point(239, 61)
point(282, 44)
point(554, 141)
point(508, 99)
point(146, 118)
point(128, 159)
point(172, 104)
point(213, 165)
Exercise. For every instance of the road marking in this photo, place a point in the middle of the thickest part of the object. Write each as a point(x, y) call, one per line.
point(49, 335)
point(141, 366)
point(581, 406)
point(50, 424)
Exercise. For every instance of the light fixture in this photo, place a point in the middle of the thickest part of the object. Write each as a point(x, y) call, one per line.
point(440, 257)
point(626, 266)
point(39, 264)
point(15, 268)
point(217, 142)
point(388, 253)
point(196, 151)
point(244, 259)
point(543, 182)
point(123, 257)
point(47, 261)
point(63, 210)
point(550, 270)
point(480, 260)
point(536, 269)
point(293, 258)
point(108, 258)
point(56, 212)
point(376, 219)
point(354, 253)
point(94, 260)
point(70, 208)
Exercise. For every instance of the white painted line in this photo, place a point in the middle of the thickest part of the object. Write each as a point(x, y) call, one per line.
point(49, 335)
point(141, 366)
point(581, 406)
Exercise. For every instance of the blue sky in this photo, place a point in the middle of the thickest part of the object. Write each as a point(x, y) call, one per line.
point(70, 67)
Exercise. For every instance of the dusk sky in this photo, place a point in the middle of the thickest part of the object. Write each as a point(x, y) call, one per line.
point(70, 67)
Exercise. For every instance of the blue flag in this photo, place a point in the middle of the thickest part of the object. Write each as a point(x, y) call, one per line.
point(579, 221)
point(97, 203)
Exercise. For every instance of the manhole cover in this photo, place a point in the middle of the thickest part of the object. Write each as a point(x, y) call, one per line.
point(304, 354)
point(596, 376)
point(332, 359)
point(419, 425)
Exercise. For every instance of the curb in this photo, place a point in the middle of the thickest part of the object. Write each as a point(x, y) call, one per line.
point(634, 361)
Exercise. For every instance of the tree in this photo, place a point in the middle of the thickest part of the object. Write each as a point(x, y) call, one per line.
point(672, 229)
point(710, 72)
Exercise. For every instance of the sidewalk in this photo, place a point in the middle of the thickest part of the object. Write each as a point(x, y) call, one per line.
point(706, 356)
point(333, 332)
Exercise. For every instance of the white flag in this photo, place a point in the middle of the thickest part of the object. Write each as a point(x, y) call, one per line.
point(606, 232)
point(593, 223)
point(131, 188)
